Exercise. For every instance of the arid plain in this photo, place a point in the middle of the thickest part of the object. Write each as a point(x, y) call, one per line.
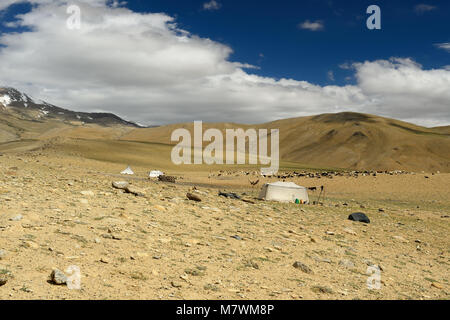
point(58, 208)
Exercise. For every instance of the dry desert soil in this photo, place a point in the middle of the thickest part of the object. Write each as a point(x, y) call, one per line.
point(58, 210)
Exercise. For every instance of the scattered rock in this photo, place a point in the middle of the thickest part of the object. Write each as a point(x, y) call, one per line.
point(16, 218)
point(359, 216)
point(87, 193)
point(136, 191)
point(321, 289)
point(3, 280)
point(193, 197)
point(176, 284)
point(437, 285)
point(31, 244)
point(302, 266)
point(2, 254)
point(165, 178)
point(58, 277)
point(236, 237)
point(230, 195)
point(120, 185)
point(104, 260)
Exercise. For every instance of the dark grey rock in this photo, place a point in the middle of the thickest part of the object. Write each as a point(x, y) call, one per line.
point(359, 216)
point(58, 277)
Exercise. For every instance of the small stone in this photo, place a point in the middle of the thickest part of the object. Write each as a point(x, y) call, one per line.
point(302, 266)
point(193, 197)
point(437, 285)
point(31, 244)
point(3, 280)
point(120, 185)
point(136, 191)
point(236, 237)
point(58, 277)
point(176, 284)
point(87, 193)
point(2, 254)
point(104, 260)
point(322, 289)
point(16, 218)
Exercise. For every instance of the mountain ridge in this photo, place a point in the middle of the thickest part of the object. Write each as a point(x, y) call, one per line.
point(35, 109)
point(346, 140)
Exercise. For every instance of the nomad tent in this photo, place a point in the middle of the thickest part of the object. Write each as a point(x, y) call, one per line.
point(127, 171)
point(283, 192)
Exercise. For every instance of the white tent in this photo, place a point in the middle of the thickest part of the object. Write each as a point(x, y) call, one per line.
point(284, 192)
point(127, 171)
point(155, 174)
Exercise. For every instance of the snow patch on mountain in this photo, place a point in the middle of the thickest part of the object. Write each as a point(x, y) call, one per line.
point(5, 100)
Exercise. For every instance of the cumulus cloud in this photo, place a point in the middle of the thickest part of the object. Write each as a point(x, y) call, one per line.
point(212, 5)
point(423, 8)
point(402, 86)
point(312, 26)
point(145, 68)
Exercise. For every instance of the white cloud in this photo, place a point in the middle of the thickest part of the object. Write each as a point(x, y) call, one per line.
point(422, 8)
point(212, 5)
point(144, 67)
point(444, 46)
point(312, 26)
point(405, 90)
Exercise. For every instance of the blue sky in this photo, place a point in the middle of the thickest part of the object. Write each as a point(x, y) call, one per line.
point(400, 71)
point(270, 28)
point(266, 33)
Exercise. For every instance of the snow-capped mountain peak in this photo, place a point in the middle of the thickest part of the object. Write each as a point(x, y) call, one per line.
point(12, 99)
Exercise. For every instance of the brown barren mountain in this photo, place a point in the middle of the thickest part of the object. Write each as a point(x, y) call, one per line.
point(344, 140)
